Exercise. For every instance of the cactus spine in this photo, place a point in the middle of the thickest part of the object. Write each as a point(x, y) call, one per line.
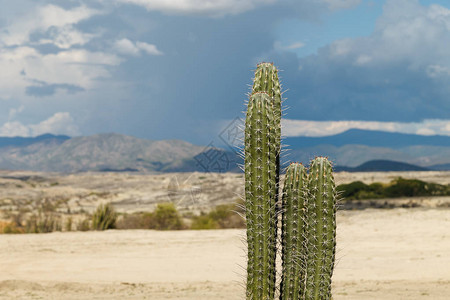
point(320, 230)
point(260, 203)
point(292, 232)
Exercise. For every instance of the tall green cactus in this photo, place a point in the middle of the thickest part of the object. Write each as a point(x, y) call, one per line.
point(320, 230)
point(308, 233)
point(260, 200)
point(292, 232)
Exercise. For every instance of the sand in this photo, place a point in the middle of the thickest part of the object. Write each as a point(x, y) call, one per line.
point(381, 254)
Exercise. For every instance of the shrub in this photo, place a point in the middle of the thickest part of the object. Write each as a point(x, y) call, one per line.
point(9, 227)
point(399, 187)
point(166, 217)
point(204, 221)
point(104, 217)
point(43, 223)
point(68, 225)
point(352, 190)
point(137, 221)
point(223, 216)
point(84, 225)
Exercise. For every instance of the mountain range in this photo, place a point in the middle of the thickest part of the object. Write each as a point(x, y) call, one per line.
point(353, 150)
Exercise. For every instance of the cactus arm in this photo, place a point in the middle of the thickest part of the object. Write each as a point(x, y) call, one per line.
point(293, 216)
point(260, 192)
point(321, 230)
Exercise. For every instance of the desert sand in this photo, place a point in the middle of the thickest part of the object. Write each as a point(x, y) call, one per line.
point(381, 254)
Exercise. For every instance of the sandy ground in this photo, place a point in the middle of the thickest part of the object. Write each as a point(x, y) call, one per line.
point(381, 254)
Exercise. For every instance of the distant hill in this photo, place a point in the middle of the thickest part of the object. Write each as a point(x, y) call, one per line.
point(25, 141)
point(96, 153)
point(369, 138)
point(440, 167)
point(113, 152)
point(381, 166)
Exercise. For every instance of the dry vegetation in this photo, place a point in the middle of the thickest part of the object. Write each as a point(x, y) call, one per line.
point(36, 202)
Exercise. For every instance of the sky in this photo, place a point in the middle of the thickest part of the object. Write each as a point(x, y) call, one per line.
point(181, 69)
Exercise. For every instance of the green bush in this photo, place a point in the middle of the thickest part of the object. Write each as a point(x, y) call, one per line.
point(223, 216)
point(166, 217)
point(399, 187)
point(204, 221)
point(104, 217)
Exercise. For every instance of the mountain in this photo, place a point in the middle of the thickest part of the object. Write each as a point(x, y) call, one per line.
point(25, 141)
point(121, 153)
point(440, 167)
point(381, 166)
point(98, 152)
point(369, 138)
point(355, 147)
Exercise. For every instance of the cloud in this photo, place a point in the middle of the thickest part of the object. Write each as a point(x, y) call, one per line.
point(341, 4)
point(44, 89)
point(148, 48)
point(68, 69)
point(293, 46)
point(399, 72)
point(14, 128)
point(59, 123)
point(324, 128)
point(48, 17)
point(127, 47)
point(76, 67)
point(13, 112)
point(212, 8)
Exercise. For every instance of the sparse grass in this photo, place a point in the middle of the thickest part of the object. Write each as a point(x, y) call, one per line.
point(43, 223)
point(68, 224)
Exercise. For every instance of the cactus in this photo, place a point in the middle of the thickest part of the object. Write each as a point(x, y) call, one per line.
point(260, 201)
point(292, 232)
point(320, 228)
point(308, 233)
